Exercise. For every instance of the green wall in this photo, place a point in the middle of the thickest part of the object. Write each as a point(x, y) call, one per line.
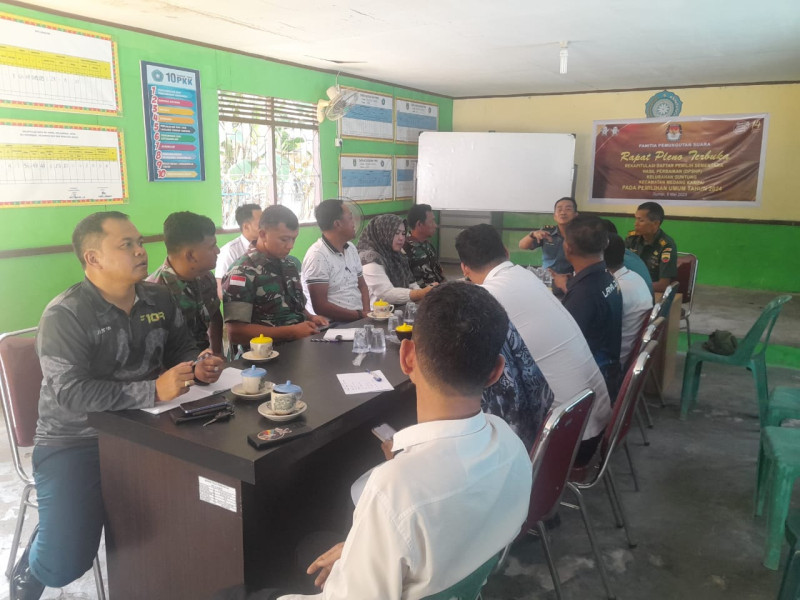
point(28, 283)
point(742, 255)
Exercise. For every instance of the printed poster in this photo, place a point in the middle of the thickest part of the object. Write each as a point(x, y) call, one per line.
point(54, 164)
point(365, 177)
point(45, 66)
point(405, 172)
point(708, 161)
point(173, 123)
point(370, 117)
point(413, 118)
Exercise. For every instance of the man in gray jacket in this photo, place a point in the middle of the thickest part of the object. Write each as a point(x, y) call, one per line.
point(109, 342)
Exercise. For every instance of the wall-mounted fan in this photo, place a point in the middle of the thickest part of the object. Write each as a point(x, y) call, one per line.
point(338, 103)
point(359, 219)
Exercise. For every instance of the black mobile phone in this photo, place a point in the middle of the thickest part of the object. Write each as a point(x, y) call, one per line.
point(330, 325)
point(204, 405)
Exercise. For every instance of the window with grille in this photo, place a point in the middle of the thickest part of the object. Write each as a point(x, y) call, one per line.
point(269, 154)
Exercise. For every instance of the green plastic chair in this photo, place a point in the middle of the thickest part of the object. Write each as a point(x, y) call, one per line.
point(749, 353)
point(778, 468)
point(470, 587)
point(790, 585)
point(784, 403)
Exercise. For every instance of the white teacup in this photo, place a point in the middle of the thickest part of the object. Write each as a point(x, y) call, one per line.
point(252, 378)
point(285, 397)
point(382, 308)
point(261, 346)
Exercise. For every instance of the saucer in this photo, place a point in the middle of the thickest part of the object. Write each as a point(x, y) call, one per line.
point(250, 355)
point(265, 410)
point(372, 315)
point(266, 389)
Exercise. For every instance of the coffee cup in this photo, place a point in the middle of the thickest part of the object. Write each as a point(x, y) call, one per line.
point(404, 331)
point(381, 308)
point(285, 397)
point(252, 378)
point(261, 346)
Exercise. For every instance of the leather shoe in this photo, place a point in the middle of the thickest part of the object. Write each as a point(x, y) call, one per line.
point(24, 586)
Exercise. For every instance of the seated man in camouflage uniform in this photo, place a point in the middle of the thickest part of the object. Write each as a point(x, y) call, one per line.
point(262, 291)
point(420, 252)
point(192, 250)
point(654, 247)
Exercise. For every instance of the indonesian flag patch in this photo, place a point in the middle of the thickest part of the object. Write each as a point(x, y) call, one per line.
point(237, 280)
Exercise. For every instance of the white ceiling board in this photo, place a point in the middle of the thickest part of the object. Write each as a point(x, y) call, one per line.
point(464, 48)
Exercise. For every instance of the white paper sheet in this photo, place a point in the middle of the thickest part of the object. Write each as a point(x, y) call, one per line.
point(227, 379)
point(347, 334)
point(362, 383)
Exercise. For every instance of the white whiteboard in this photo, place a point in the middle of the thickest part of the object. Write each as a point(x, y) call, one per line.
point(513, 172)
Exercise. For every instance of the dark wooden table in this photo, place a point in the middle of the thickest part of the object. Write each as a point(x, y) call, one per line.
point(193, 509)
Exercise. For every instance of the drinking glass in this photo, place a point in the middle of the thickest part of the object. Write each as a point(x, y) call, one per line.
point(392, 324)
point(361, 341)
point(411, 313)
point(378, 341)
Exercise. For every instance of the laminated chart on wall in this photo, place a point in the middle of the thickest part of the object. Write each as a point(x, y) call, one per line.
point(45, 66)
point(365, 177)
point(47, 164)
point(413, 118)
point(405, 172)
point(173, 123)
point(370, 116)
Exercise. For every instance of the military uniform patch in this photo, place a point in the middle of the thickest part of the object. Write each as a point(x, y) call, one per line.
point(659, 256)
point(271, 293)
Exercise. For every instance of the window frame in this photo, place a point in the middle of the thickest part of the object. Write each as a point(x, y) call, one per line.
point(274, 113)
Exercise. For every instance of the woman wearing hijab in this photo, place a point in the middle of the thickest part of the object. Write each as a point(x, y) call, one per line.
point(386, 269)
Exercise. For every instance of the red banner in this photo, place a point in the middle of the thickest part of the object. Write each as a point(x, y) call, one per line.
point(691, 160)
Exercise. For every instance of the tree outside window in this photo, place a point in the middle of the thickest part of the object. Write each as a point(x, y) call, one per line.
point(269, 154)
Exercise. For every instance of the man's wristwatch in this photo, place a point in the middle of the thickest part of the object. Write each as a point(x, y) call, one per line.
point(360, 313)
point(196, 380)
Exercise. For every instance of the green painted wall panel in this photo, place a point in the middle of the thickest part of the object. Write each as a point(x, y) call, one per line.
point(741, 255)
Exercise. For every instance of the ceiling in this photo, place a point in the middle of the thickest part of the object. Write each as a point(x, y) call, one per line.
point(464, 48)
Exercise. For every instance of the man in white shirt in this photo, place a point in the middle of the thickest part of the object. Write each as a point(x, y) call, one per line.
point(332, 274)
point(247, 216)
point(457, 490)
point(553, 337)
point(636, 299)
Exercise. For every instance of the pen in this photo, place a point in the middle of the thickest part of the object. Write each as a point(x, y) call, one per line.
point(375, 377)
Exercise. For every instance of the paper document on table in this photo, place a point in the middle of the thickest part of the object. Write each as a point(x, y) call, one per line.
point(362, 383)
point(227, 379)
point(347, 334)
